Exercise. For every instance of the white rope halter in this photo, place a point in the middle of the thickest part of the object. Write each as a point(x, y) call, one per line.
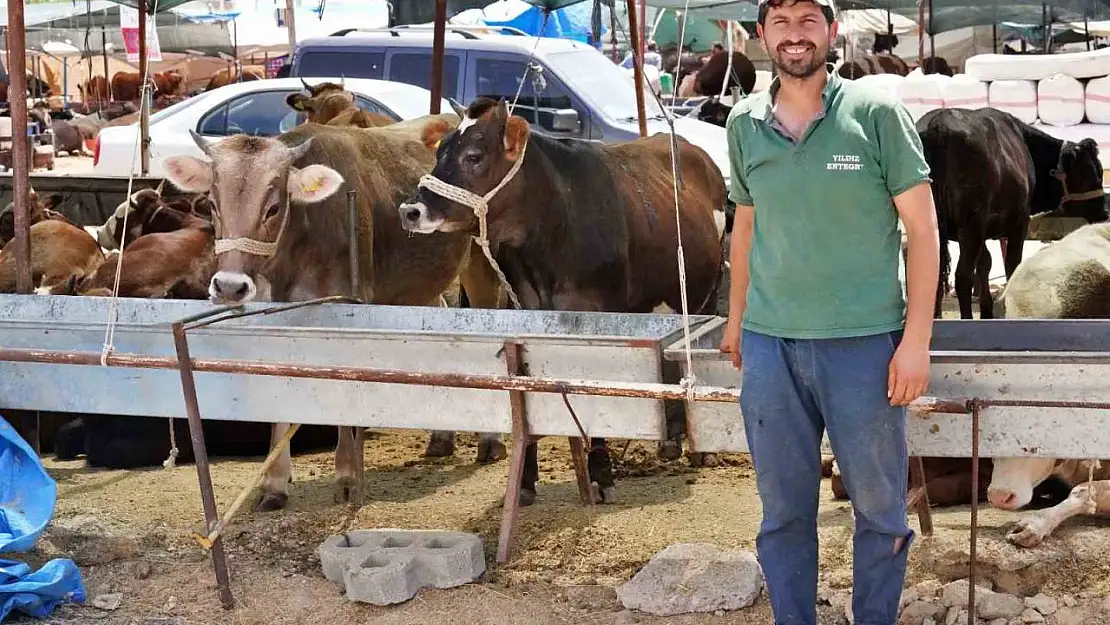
point(480, 205)
point(265, 249)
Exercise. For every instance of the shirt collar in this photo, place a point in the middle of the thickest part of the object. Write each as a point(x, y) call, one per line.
point(832, 83)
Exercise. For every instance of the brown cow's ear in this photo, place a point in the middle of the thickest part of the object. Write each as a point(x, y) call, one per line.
point(313, 183)
point(299, 102)
point(433, 133)
point(189, 174)
point(517, 132)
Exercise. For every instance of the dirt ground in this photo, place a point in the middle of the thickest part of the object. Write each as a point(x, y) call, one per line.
point(567, 558)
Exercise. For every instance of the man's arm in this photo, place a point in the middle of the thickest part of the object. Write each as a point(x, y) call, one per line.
point(742, 225)
point(906, 171)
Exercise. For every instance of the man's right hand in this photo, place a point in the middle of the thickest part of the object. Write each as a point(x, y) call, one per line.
point(730, 344)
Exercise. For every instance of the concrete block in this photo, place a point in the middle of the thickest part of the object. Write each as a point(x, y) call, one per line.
point(390, 566)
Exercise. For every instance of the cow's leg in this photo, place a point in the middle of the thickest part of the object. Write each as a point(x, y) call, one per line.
point(440, 444)
point(971, 245)
point(346, 477)
point(1013, 246)
point(1087, 498)
point(491, 448)
point(275, 484)
point(982, 278)
point(531, 473)
point(600, 464)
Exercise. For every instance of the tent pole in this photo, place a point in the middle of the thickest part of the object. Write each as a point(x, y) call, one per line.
point(104, 53)
point(21, 157)
point(921, 34)
point(994, 37)
point(932, 39)
point(291, 26)
point(1087, 31)
point(144, 106)
point(439, 34)
point(638, 64)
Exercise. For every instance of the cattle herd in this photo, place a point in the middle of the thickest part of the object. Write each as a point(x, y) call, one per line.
point(574, 226)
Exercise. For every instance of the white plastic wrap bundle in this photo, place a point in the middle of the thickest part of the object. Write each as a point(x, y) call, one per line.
point(922, 93)
point(1060, 100)
point(1016, 97)
point(965, 92)
point(1097, 100)
point(884, 82)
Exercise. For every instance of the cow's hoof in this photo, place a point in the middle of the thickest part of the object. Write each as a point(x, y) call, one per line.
point(704, 459)
point(1029, 532)
point(827, 467)
point(440, 448)
point(670, 450)
point(527, 497)
point(346, 490)
point(271, 502)
point(491, 450)
point(607, 495)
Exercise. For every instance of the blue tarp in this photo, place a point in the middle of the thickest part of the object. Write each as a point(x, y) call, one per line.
point(571, 22)
point(27, 496)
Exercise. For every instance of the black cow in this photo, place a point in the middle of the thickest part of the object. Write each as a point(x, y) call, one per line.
point(712, 74)
point(121, 442)
point(991, 172)
point(597, 232)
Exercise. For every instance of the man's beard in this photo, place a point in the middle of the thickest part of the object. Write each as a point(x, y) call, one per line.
point(799, 68)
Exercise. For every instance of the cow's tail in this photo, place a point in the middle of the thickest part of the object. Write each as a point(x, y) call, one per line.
point(713, 293)
point(936, 157)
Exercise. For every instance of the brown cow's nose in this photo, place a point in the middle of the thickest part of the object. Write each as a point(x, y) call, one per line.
point(234, 287)
point(1002, 498)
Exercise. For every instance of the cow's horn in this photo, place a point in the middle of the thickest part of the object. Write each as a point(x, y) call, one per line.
point(307, 87)
point(161, 184)
point(201, 143)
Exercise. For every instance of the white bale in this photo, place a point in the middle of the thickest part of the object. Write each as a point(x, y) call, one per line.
point(1081, 64)
point(965, 92)
point(1060, 100)
point(1016, 97)
point(1097, 100)
point(922, 93)
point(885, 82)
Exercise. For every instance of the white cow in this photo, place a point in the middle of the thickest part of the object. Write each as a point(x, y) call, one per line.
point(1066, 280)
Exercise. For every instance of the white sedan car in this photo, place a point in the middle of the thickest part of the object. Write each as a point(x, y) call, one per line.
point(255, 108)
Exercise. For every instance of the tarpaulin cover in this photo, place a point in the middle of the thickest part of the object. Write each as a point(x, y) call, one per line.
point(27, 496)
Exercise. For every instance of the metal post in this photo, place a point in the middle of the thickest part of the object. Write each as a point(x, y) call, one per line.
point(291, 25)
point(104, 52)
point(514, 365)
point(932, 39)
point(144, 106)
point(356, 292)
point(437, 55)
point(638, 65)
point(994, 37)
point(204, 476)
point(1087, 31)
point(920, 34)
point(971, 574)
point(21, 147)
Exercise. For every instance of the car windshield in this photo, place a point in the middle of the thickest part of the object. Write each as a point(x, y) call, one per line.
point(603, 83)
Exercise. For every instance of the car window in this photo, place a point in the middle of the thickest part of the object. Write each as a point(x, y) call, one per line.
point(541, 95)
point(264, 113)
point(415, 68)
point(323, 64)
point(373, 106)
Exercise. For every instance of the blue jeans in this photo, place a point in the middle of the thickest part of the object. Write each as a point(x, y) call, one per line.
point(791, 390)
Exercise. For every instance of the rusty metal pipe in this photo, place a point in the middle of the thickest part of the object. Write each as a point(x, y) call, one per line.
point(144, 105)
point(352, 240)
point(438, 35)
point(200, 452)
point(638, 65)
point(975, 407)
point(22, 158)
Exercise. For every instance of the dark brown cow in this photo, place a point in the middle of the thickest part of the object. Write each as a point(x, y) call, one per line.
point(712, 75)
point(38, 209)
point(229, 75)
point(286, 192)
point(331, 104)
point(581, 226)
point(126, 86)
point(95, 89)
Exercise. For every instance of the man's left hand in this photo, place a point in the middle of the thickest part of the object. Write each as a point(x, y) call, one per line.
point(909, 373)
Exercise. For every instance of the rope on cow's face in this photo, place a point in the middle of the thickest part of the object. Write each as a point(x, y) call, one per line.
point(265, 249)
point(480, 205)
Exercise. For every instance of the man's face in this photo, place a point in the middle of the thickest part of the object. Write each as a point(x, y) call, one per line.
point(797, 37)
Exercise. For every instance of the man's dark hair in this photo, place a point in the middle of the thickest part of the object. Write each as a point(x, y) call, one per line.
point(765, 7)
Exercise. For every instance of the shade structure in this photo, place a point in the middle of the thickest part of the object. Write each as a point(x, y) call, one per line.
point(569, 22)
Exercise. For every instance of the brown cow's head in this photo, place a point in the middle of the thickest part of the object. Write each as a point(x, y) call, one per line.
point(475, 157)
point(323, 102)
point(251, 182)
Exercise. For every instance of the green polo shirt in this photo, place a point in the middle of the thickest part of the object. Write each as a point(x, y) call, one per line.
point(826, 244)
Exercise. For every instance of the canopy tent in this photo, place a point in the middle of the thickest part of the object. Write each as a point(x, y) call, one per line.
point(570, 22)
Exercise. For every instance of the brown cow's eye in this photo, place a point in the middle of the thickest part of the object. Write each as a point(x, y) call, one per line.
point(272, 211)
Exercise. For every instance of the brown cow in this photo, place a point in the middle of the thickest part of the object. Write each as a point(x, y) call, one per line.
point(285, 192)
point(176, 263)
point(331, 104)
point(229, 75)
point(58, 250)
point(582, 226)
point(95, 89)
point(168, 83)
point(126, 86)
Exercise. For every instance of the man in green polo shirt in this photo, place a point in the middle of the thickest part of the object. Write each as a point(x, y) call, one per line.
point(822, 169)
